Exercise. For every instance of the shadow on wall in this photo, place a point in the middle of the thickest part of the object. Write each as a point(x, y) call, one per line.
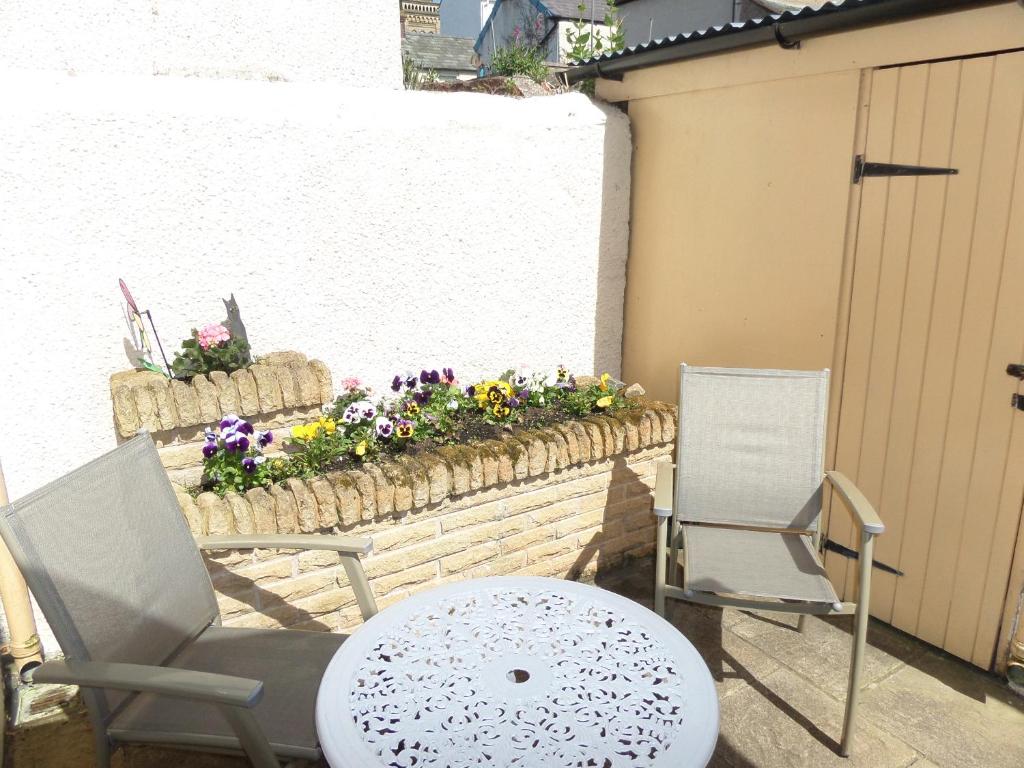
point(625, 480)
point(613, 245)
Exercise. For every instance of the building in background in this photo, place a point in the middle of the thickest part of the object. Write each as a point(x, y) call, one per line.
point(450, 58)
point(422, 16)
point(542, 23)
point(645, 20)
point(464, 18)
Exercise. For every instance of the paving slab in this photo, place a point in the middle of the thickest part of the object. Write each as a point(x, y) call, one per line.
point(822, 652)
point(782, 722)
point(952, 713)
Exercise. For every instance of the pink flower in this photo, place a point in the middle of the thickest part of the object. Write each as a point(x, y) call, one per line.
point(211, 335)
point(351, 384)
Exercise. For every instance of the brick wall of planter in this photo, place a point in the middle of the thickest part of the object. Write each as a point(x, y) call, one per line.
point(282, 389)
point(565, 501)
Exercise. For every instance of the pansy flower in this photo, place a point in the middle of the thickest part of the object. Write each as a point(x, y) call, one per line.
point(352, 414)
point(412, 408)
point(404, 428)
point(210, 450)
point(422, 397)
point(384, 427)
point(501, 410)
point(605, 401)
point(396, 384)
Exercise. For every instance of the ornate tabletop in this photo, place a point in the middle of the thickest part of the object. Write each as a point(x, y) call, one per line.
point(523, 672)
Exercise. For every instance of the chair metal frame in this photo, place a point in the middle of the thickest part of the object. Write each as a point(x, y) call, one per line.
point(235, 697)
point(667, 565)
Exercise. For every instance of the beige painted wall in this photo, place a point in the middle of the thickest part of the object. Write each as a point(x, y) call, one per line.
point(739, 220)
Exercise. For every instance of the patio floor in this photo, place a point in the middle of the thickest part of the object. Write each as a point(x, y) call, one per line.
point(781, 696)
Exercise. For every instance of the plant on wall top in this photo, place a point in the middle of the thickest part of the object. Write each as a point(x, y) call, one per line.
point(211, 348)
point(521, 57)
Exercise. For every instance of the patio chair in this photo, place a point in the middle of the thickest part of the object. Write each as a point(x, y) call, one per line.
point(116, 571)
point(742, 520)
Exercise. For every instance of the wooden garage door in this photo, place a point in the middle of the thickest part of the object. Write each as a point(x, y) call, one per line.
point(936, 313)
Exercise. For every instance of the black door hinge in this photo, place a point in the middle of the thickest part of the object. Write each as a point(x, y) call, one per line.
point(853, 554)
point(862, 168)
point(1017, 401)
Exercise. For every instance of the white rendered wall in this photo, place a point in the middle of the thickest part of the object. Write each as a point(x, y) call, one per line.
point(374, 229)
point(355, 43)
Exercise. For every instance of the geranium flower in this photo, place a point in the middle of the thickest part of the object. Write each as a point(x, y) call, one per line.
point(384, 427)
point(404, 428)
point(212, 335)
point(350, 384)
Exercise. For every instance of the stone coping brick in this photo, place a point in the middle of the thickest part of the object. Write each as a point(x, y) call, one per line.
point(276, 381)
point(437, 482)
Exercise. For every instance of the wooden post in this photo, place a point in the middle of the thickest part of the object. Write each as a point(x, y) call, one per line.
point(24, 644)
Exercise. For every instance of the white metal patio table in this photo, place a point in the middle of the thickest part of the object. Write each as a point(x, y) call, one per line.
point(525, 672)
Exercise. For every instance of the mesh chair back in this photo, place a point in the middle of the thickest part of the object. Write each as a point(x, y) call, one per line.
point(112, 564)
point(750, 447)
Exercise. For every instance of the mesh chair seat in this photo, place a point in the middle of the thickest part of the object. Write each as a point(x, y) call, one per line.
point(290, 664)
point(755, 563)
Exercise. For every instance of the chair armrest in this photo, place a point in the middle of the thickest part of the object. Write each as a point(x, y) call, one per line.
point(343, 545)
point(663, 489)
point(141, 678)
point(865, 515)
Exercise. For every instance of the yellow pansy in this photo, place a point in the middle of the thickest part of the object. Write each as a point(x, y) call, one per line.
point(604, 383)
point(361, 449)
point(605, 401)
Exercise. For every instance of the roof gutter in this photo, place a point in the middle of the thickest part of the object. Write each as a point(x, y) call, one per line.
point(787, 33)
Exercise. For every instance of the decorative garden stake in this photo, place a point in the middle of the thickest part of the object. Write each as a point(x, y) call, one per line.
point(135, 314)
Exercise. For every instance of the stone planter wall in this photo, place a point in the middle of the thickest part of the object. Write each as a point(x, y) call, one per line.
point(564, 501)
point(280, 390)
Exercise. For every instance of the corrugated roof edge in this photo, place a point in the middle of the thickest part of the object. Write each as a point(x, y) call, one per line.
point(784, 27)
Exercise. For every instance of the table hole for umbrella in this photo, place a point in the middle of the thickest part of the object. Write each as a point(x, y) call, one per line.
point(518, 675)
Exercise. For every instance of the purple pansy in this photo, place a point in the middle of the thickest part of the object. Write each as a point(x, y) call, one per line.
point(422, 397)
point(384, 427)
point(513, 402)
point(396, 383)
point(210, 450)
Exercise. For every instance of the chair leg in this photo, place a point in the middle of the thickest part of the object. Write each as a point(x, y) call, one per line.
point(801, 623)
point(659, 568)
point(860, 634)
point(673, 560)
point(102, 749)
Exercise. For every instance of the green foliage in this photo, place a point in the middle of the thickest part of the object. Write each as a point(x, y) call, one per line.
point(587, 41)
point(193, 359)
point(415, 77)
point(520, 58)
